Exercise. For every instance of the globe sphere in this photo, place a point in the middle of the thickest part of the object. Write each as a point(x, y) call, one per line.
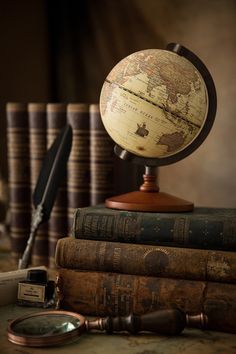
point(154, 103)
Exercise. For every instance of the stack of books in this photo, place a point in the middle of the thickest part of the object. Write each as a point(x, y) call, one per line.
point(117, 262)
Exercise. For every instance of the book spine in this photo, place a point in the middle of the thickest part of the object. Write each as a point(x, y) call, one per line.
point(38, 149)
point(201, 229)
point(146, 260)
point(19, 177)
point(57, 225)
point(78, 174)
point(101, 159)
point(102, 294)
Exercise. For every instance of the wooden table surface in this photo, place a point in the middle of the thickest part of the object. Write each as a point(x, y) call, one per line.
point(189, 342)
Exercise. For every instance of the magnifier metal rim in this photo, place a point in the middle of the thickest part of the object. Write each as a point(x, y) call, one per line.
point(44, 341)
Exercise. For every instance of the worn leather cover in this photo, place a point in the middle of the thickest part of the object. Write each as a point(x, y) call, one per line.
point(100, 293)
point(209, 228)
point(148, 260)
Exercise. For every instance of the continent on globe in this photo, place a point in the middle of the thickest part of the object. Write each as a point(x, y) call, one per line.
point(173, 141)
point(141, 130)
point(158, 89)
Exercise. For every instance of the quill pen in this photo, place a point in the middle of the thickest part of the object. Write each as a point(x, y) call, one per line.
point(52, 170)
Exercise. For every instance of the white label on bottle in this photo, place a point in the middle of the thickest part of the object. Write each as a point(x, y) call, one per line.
point(31, 292)
point(9, 284)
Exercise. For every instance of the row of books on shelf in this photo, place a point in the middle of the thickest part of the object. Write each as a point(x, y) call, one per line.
point(116, 262)
point(92, 174)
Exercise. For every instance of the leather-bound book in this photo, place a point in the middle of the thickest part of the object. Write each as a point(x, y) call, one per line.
point(19, 177)
point(57, 225)
point(102, 294)
point(209, 228)
point(101, 159)
point(78, 172)
point(159, 261)
point(38, 149)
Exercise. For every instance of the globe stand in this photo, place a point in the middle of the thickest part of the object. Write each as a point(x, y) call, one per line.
point(148, 198)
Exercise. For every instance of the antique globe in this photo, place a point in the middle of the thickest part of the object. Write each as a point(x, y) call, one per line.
point(158, 106)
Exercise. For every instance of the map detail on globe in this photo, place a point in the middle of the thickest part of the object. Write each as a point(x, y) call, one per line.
point(154, 103)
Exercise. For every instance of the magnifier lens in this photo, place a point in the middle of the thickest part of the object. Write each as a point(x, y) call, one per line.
point(46, 325)
point(46, 328)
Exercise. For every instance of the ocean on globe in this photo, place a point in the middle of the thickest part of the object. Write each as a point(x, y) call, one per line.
point(154, 103)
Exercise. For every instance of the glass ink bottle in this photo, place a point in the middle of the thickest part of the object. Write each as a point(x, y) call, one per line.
point(36, 290)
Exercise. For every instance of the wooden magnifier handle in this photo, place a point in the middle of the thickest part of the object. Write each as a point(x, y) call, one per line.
point(168, 322)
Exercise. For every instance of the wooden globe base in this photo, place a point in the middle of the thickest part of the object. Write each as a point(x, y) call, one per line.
point(148, 198)
point(145, 201)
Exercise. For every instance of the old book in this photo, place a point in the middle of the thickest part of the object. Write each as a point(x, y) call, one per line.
point(78, 174)
point(19, 177)
point(101, 159)
point(57, 225)
point(101, 294)
point(149, 260)
point(209, 228)
point(38, 149)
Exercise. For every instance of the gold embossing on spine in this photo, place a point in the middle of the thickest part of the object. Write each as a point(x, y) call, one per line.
point(117, 259)
point(180, 230)
point(229, 231)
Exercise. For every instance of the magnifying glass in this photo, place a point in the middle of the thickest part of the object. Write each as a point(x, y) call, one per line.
point(50, 328)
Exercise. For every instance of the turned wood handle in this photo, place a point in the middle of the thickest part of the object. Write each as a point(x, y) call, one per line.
point(169, 322)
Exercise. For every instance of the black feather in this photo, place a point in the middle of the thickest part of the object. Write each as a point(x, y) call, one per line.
point(52, 171)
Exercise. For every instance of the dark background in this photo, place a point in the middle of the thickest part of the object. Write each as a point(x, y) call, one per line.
point(53, 51)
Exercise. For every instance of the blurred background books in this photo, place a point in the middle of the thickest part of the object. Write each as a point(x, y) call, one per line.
point(61, 51)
